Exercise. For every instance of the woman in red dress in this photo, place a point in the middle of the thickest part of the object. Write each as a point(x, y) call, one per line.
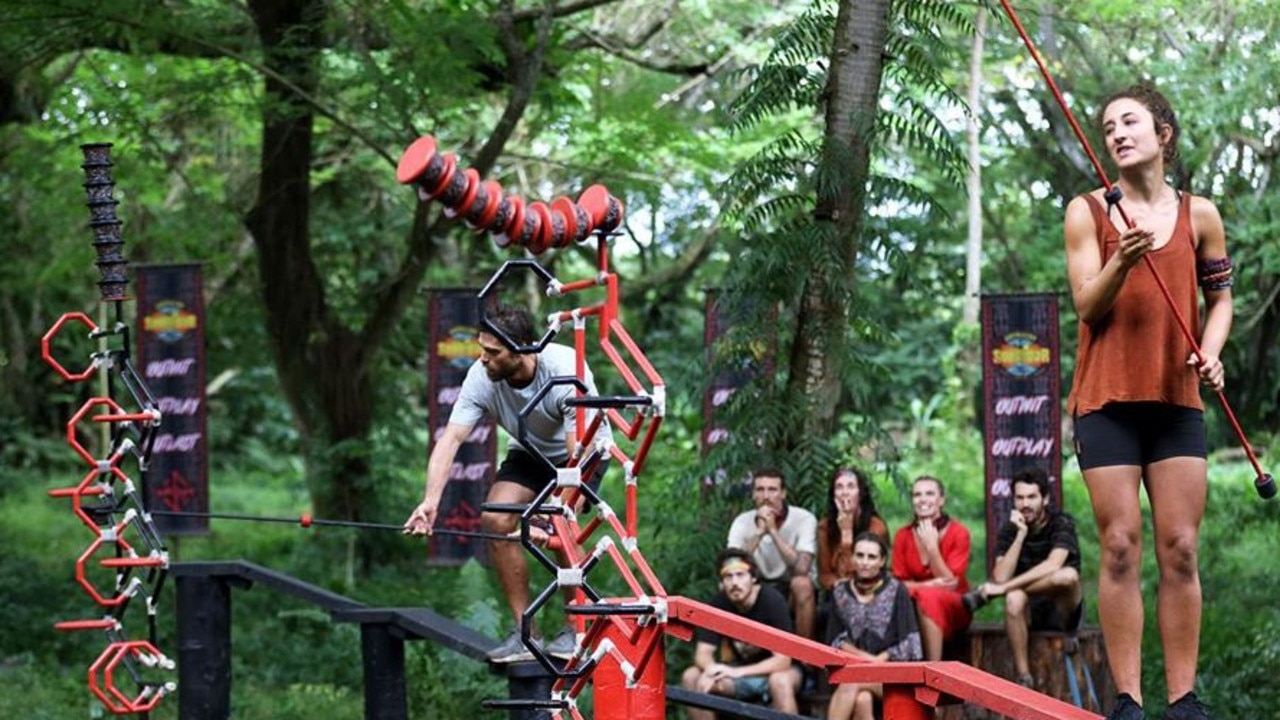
point(931, 557)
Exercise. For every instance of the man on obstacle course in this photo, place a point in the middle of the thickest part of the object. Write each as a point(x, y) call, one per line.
point(499, 385)
point(1037, 569)
point(723, 666)
point(782, 540)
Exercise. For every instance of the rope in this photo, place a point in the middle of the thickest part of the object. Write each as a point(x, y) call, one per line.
point(1264, 482)
point(305, 520)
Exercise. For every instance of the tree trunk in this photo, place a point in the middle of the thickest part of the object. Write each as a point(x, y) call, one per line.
point(973, 251)
point(322, 367)
point(853, 88)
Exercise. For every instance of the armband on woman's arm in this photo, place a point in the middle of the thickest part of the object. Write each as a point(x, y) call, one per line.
point(1214, 274)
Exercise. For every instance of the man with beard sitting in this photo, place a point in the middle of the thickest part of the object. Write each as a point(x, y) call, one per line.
point(724, 666)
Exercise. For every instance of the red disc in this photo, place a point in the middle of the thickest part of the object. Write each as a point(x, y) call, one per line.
point(415, 159)
point(305, 520)
point(515, 224)
point(493, 192)
point(446, 175)
point(468, 197)
point(541, 238)
point(605, 210)
point(564, 206)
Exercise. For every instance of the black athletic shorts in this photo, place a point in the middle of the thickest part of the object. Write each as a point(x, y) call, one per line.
point(527, 470)
point(1138, 433)
point(1042, 614)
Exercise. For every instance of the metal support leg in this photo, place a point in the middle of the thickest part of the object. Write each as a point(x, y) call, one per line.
point(1072, 683)
point(528, 681)
point(385, 697)
point(204, 648)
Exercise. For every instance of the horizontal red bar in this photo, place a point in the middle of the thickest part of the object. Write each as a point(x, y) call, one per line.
point(69, 625)
point(132, 562)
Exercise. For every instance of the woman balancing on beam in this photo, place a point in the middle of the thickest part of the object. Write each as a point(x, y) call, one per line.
point(1134, 397)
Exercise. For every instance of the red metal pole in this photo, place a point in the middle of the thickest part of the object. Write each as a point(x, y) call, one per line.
point(646, 699)
point(900, 703)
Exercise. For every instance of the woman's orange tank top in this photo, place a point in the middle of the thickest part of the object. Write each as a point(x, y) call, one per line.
point(1137, 352)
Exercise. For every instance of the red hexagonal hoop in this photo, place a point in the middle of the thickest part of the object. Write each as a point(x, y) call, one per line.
point(47, 353)
point(87, 556)
point(84, 410)
point(102, 678)
point(90, 486)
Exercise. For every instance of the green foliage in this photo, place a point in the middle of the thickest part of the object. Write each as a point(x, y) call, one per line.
point(772, 197)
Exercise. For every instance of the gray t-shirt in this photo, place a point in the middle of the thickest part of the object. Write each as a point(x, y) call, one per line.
point(547, 424)
point(799, 530)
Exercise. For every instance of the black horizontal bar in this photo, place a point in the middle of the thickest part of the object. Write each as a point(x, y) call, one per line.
point(609, 609)
point(609, 401)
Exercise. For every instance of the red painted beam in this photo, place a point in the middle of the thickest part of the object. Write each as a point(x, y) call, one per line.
point(916, 687)
point(994, 693)
point(691, 612)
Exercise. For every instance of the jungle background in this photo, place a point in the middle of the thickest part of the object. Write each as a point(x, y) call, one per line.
point(810, 158)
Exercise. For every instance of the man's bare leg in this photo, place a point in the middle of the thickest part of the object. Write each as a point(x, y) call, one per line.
point(509, 561)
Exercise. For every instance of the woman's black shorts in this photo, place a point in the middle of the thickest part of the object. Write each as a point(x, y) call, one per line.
point(1138, 433)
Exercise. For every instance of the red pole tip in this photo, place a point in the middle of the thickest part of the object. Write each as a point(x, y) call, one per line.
point(305, 520)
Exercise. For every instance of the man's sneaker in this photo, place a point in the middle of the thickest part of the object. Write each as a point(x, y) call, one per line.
point(1187, 707)
point(510, 650)
point(1126, 709)
point(563, 645)
point(1026, 681)
point(973, 600)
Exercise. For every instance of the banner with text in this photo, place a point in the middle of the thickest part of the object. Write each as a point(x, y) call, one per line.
point(170, 360)
point(726, 378)
point(454, 325)
point(1021, 406)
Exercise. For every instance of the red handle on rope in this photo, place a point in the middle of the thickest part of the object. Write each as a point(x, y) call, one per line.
point(1265, 484)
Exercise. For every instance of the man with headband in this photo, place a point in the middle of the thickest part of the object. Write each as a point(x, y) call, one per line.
point(723, 666)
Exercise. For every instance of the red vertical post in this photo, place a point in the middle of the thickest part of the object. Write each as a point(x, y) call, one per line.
point(900, 703)
point(647, 699)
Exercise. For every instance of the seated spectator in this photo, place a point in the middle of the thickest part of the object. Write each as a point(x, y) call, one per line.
point(851, 511)
point(1037, 569)
point(931, 557)
point(724, 666)
point(877, 621)
point(781, 538)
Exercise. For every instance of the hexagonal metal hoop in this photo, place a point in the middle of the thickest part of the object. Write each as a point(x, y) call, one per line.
point(490, 287)
point(82, 578)
point(107, 691)
point(47, 352)
point(522, 433)
point(81, 414)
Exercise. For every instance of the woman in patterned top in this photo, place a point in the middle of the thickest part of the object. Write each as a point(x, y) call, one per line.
point(878, 624)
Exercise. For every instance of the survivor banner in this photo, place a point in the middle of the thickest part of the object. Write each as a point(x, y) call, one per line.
point(1021, 406)
point(454, 324)
point(170, 360)
point(726, 377)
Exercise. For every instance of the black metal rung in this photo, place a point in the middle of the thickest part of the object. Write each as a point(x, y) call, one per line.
point(609, 401)
point(513, 703)
point(518, 509)
point(610, 609)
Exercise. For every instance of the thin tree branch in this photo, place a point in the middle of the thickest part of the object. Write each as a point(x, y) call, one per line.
point(526, 69)
point(557, 11)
